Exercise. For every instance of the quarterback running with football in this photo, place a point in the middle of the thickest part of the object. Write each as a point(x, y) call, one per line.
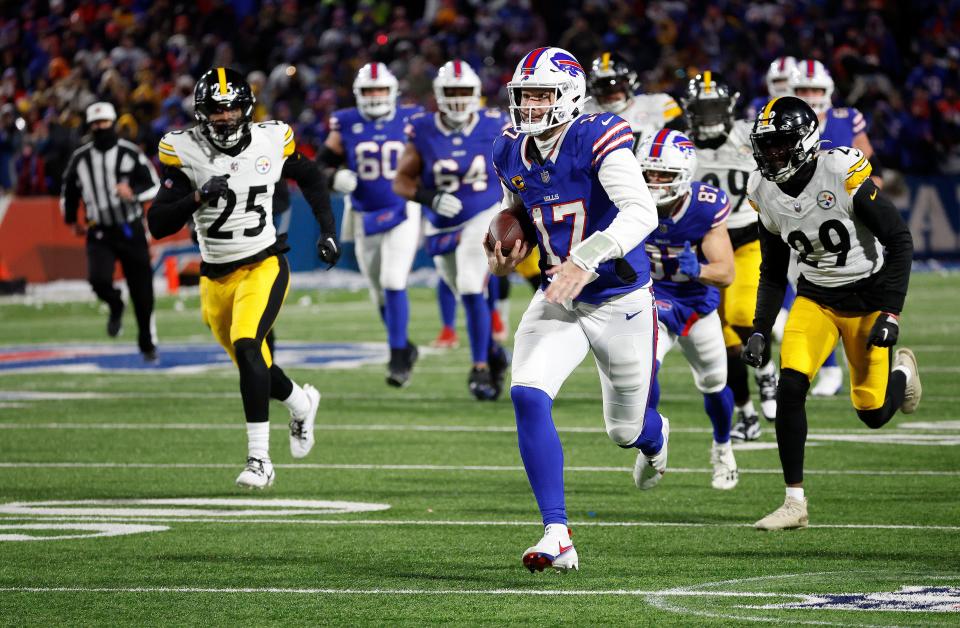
point(222, 174)
point(575, 177)
point(854, 253)
point(364, 146)
point(725, 160)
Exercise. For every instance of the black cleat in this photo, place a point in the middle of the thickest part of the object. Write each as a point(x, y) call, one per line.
point(115, 322)
point(499, 361)
point(401, 365)
point(150, 357)
point(481, 385)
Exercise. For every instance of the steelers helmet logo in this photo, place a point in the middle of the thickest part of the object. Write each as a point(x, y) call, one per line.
point(826, 199)
point(262, 164)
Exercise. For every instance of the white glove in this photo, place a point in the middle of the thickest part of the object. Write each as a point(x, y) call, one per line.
point(344, 181)
point(446, 204)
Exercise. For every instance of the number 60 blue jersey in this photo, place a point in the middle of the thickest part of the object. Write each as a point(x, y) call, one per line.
point(567, 202)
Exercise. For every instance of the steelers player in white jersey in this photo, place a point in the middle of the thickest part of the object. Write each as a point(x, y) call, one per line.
point(854, 253)
point(613, 87)
point(222, 173)
point(725, 161)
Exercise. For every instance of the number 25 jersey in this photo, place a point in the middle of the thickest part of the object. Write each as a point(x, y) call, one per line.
point(834, 247)
point(565, 199)
point(239, 224)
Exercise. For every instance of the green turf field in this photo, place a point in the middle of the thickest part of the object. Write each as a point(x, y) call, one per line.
point(448, 508)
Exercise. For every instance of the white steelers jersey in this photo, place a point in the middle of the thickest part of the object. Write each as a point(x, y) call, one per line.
point(728, 167)
point(834, 247)
point(240, 224)
point(646, 113)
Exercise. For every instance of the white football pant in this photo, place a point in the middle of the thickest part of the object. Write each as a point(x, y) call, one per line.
point(552, 341)
point(385, 258)
point(465, 269)
point(704, 349)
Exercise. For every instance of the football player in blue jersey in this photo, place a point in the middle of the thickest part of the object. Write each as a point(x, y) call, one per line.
point(446, 167)
point(810, 81)
point(690, 257)
point(365, 144)
point(575, 177)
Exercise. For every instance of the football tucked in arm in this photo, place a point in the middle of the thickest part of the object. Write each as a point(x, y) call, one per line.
point(509, 226)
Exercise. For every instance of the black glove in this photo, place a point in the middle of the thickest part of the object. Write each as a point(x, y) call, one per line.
point(752, 352)
point(329, 249)
point(214, 188)
point(885, 331)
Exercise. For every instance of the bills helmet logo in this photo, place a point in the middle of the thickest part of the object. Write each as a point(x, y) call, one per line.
point(565, 62)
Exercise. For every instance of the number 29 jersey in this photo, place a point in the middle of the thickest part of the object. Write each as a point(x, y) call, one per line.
point(372, 149)
point(566, 201)
point(239, 224)
point(457, 161)
point(834, 247)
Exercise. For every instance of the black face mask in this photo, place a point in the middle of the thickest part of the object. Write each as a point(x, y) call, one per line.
point(104, 139)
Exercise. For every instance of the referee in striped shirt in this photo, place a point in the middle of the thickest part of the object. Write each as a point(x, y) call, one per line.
point(113, 178)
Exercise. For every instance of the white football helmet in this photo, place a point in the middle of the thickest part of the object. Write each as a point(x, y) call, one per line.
point(673, 152)
point(811, 74)
point(375, 76)
point(552, 69)
point(778, 76)
point(457, 74)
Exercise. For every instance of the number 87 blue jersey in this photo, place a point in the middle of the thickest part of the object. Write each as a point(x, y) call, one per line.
point(565, 199)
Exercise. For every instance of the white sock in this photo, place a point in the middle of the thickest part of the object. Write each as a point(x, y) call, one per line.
point(298, 402)
point(748, 408)
point(795, 492)
point(556, 529)
point(503, 306)
point(258, 440)
point(723, 446)
point(906, 372)
point(766, 370)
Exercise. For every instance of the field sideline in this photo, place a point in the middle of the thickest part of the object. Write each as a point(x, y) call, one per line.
point(117, 502)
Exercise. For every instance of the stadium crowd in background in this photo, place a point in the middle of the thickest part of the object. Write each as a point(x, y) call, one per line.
point(899, 64)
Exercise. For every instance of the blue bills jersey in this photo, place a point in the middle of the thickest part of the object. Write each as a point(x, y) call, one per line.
point(372, 149)
point(458, 161)
point(840, 126)
point(705, 208)
point(565, 199)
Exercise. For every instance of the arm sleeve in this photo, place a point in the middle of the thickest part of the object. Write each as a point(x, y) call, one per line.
point(509, 198)
point(329, 158)
point(622, 179)
point(147, 181)
point(70, 193)
point(314, 187)
point(882, 218)
point(173, 205)
point(775, 256)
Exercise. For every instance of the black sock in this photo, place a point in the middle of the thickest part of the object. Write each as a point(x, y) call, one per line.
point(254, 380)
point(281, 387)
point(878, 417)
point(791, 423)
point(737, 376)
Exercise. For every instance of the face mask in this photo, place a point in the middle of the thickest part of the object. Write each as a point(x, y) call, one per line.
point(104, 139)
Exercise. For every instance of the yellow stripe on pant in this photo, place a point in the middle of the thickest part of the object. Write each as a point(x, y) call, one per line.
point(738, 301)
point(811, 334)
point(245, 303)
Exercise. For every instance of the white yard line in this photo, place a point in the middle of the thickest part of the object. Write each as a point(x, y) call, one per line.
point(445, 467)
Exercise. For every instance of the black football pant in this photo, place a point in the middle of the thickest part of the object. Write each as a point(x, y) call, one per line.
point(128, 245)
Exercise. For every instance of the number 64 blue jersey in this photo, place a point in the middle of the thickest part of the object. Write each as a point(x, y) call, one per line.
point(565, 199)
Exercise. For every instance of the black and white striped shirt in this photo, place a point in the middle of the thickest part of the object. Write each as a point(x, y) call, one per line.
point(92, 176)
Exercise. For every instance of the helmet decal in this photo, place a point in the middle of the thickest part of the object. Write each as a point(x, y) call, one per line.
point(530, 62)
point(565, 61)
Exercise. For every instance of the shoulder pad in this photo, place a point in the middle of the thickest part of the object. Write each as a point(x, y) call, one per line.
point(280, 132)
point(753, 183)
point(838, 160)
point(167, 149)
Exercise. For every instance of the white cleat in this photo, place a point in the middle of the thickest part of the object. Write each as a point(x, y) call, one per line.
point(648, 470)
point(911, 396)
point(793, 514)
point(829, 382)
point(555, 550)
point(747, 427)
point(257, 474)
point(301, 426)
point(725, 472)
point(767, 385)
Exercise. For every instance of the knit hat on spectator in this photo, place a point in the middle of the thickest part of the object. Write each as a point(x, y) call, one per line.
point(101, 111)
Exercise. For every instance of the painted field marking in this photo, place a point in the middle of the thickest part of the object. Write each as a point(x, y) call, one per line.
point(97, 529)
point(181, 507)
point(443, 467)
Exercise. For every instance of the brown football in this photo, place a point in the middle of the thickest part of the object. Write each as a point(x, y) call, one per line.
point(508, 226)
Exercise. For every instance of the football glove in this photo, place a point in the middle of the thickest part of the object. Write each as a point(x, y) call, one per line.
point(344, 181)
point(328, 249)
point(214, 188)
point(446, 204)
point(752, 352)
point(689, 264)
point(885, 331)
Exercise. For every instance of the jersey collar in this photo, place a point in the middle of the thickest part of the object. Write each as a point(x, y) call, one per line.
point(678, 215)
point(464, 130)
point(552, 155)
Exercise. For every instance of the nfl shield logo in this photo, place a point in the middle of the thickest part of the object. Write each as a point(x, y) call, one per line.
point(545, 176)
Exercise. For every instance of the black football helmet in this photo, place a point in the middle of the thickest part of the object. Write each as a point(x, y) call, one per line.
point(785, 137)
point(223, 89)
point(708, 106)
point(610, 75)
